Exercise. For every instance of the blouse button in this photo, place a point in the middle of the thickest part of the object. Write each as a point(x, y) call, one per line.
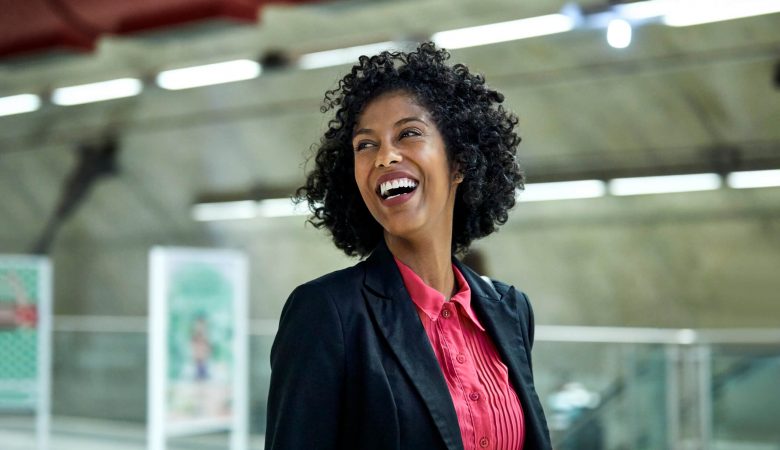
point(484, 442)
point(460, 358)
point(446, 313)
point(474, 396)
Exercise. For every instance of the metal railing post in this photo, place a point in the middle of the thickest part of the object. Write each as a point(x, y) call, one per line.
point(673, 404)
point(704, 366)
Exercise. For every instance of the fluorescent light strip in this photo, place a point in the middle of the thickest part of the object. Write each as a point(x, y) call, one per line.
point(97, 92)
point(209, 74)
point(281, 207)
point(18, 104)
point(349, 55)
point(562, 190)
point(503, 31)
point(243, 209)
point(664, 184)
point(248, 209)
point(753, 179)
point(695, 12)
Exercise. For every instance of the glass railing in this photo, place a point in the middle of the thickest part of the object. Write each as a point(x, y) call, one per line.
point(745, 396)
point(602, 388)
point(624, 388)
point(603, 396)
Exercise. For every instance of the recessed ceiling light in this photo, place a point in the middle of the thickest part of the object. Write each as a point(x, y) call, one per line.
point(619, 33)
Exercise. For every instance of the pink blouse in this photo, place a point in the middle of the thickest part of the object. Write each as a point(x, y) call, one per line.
point(489, 412)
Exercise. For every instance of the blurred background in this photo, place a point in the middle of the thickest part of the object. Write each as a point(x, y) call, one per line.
point(657, 299)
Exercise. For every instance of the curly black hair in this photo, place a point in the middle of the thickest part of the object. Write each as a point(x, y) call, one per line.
point(479, 136)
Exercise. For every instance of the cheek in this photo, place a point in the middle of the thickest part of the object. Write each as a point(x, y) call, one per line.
point(361, 178)
point(357, 170)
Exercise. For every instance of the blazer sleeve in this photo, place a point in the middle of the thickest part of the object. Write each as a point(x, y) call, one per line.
point(531, 326)
point(524, 309)
point(307, 372)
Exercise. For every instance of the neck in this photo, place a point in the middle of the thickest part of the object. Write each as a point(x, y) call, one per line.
point(430, 259)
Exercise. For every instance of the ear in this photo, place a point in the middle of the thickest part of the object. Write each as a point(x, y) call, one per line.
point(457, 177)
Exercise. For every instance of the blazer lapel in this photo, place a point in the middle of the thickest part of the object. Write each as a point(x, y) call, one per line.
point(502, 324)
point(398, 321)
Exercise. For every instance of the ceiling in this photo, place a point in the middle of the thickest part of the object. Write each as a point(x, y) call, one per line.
point(678, 100)
point(38, 26)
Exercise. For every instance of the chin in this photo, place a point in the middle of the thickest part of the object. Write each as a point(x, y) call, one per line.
point(401, 230)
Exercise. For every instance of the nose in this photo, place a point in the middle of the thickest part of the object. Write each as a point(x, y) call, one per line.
point(387, 154)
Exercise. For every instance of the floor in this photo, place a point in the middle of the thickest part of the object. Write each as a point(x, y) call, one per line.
point(71, 433)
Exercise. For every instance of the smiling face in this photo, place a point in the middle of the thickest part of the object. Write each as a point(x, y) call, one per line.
point(402, 169)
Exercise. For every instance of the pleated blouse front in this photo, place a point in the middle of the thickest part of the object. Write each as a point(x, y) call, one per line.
point(488, 409)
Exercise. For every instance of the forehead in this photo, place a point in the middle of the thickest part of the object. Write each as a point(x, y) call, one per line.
point(389, 107)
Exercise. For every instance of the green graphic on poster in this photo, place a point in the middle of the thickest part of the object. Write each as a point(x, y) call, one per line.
point(19, 298)
point(200, 342)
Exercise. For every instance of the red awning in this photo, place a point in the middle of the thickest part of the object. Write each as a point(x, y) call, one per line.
point(32, 26)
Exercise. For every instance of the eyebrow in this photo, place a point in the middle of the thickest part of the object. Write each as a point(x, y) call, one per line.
point(399, 122)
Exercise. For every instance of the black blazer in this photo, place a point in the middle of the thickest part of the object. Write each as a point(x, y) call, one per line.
point(352, 367)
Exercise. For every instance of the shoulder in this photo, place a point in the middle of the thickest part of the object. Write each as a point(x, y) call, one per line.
point(316, 310)
point(332, 291)
point(515, 293)
point(510, 294)
point(500, 289)
point(333, 282)
point(521, 304)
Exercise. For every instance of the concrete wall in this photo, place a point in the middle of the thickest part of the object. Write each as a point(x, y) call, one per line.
point(706, 259)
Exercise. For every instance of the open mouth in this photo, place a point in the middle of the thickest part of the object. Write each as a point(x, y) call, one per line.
point(394, 188)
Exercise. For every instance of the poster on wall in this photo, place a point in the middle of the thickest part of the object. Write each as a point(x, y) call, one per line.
point(197, 344)
point(25, 339)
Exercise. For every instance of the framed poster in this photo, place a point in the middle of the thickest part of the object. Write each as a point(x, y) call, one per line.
point(197, 344)
point(25, 339)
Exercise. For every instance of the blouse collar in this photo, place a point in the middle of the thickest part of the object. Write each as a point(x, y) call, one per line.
point(431, 301)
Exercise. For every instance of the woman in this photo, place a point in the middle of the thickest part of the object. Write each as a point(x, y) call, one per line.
point(408, 349)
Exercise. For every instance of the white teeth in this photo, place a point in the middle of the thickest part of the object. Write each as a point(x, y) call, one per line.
point(395, 184)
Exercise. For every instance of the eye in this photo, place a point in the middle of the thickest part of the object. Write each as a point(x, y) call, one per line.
point(362, 145)
point(410, 132)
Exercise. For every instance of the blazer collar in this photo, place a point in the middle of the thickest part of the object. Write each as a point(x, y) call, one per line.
point(379, 278)
point(389, 282)
point(395, 313)
point(397, 319)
